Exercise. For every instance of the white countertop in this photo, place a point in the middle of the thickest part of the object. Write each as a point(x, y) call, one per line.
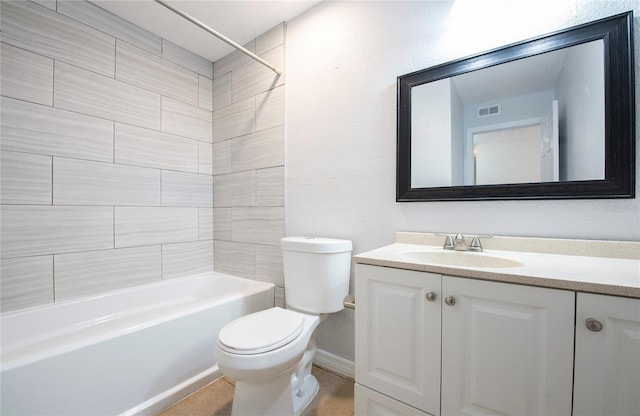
point(584, 273)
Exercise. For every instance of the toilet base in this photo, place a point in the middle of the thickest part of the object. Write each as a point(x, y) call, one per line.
point(274, 397)
point(285, 393)
point(303, 397)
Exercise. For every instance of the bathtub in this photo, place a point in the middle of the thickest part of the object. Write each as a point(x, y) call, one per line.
point(132, 351)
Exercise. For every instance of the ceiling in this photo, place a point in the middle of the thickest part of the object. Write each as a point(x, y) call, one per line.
point(525, 76)
point(239, 20)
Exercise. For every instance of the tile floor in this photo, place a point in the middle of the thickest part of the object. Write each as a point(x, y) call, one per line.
point(335, 398)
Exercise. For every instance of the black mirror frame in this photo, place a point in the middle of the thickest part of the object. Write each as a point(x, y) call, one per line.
point(619, 182)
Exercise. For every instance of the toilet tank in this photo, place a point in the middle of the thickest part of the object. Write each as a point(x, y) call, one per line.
point(316, 273)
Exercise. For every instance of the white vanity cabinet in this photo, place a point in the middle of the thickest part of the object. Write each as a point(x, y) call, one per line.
point(398, 335)
point(506, 349)
point(483, 347)
point(607, 356)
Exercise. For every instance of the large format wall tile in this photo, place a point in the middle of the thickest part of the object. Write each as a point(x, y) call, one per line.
point(187, 59)
point(279, 297)
point(183, 259)
point(49, 4)
point(270, 187)
point(262, 149)
point(205, 93)
point(181, 189)
point(80, 274)
point(186, 120)
point(44, 130)
point(145, 70)
point(25, 282)
point(205, 224)
point(144, 147)
point(271, 39)
point(139, 226)
point(248, 161)
point(108, 22)
point(222, 91)
point(81, 182)
point(205, 158)
point(222, 223)
point(222, 157)
point(234, 120)
point(233, 60)
point(34, 230)
point(258, 225)
point(93, 94)
point(35, 28)
point(254, 78)
point(235, 189)
point(25, 75)
point(25, 178)
point(270, 109)
point(269, 264)
point(97, 114)
point(234, 258)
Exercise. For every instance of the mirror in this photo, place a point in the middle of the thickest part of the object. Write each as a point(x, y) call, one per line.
point(551, 117)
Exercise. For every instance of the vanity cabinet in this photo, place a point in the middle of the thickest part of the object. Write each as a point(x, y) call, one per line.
point(398, 335)
point(482, 347)
point(607, 356)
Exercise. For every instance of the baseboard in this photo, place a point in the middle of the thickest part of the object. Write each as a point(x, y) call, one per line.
point(335, 364)
point(176, 393)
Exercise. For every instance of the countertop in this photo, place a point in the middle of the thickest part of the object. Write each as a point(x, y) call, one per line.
point(586, 269)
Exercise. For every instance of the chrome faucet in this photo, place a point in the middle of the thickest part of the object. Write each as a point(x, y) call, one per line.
point(458, 243)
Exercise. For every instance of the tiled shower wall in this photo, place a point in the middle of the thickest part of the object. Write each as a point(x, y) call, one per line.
point(106, 164)
point(248, 165)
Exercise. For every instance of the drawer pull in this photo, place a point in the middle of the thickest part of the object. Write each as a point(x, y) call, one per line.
point(431, 296)
point(450, 300)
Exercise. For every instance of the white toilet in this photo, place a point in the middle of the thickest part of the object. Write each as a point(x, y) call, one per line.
point(269, 353)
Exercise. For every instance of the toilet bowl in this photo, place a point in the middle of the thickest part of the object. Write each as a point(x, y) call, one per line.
point(269, 354)
point(272, 371)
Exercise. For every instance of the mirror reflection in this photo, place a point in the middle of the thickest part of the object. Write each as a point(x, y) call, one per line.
point(534, 120)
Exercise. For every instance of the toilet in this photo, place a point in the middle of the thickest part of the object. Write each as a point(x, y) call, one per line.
point(269, 353)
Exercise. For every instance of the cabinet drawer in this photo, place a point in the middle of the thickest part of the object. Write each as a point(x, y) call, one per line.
point(368, 402)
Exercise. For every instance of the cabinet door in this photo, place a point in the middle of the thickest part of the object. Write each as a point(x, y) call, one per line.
point(398, 334)
point(368, 402)
point(507, 349)
point(607, 362)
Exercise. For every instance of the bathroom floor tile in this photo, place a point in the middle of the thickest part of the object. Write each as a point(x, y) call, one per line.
point(335, 398)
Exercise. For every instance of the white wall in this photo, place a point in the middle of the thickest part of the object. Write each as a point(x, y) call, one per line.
point(431, 136)
point(342, 61)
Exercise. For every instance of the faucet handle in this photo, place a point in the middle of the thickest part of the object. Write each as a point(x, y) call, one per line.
point(448, 241)
point(476, 245)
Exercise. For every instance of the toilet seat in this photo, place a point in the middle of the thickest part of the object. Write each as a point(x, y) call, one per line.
point(261, 332)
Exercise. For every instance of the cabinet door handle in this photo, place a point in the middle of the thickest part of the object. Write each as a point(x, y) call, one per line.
point(431, 296)
point(593, 325)
point(450, 300)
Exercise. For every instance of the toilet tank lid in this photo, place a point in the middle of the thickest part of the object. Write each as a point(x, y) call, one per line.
point(316, 244)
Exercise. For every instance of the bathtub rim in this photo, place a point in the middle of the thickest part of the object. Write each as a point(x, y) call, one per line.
point(12, 358)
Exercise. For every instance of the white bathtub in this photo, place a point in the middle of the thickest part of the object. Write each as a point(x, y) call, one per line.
point(133, 351)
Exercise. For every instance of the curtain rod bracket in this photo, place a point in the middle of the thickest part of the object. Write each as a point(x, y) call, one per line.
point(219, 36)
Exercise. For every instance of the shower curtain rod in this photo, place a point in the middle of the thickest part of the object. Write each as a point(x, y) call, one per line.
point(219, 36)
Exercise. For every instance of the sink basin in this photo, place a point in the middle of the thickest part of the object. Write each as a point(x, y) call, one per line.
point(459, 258)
